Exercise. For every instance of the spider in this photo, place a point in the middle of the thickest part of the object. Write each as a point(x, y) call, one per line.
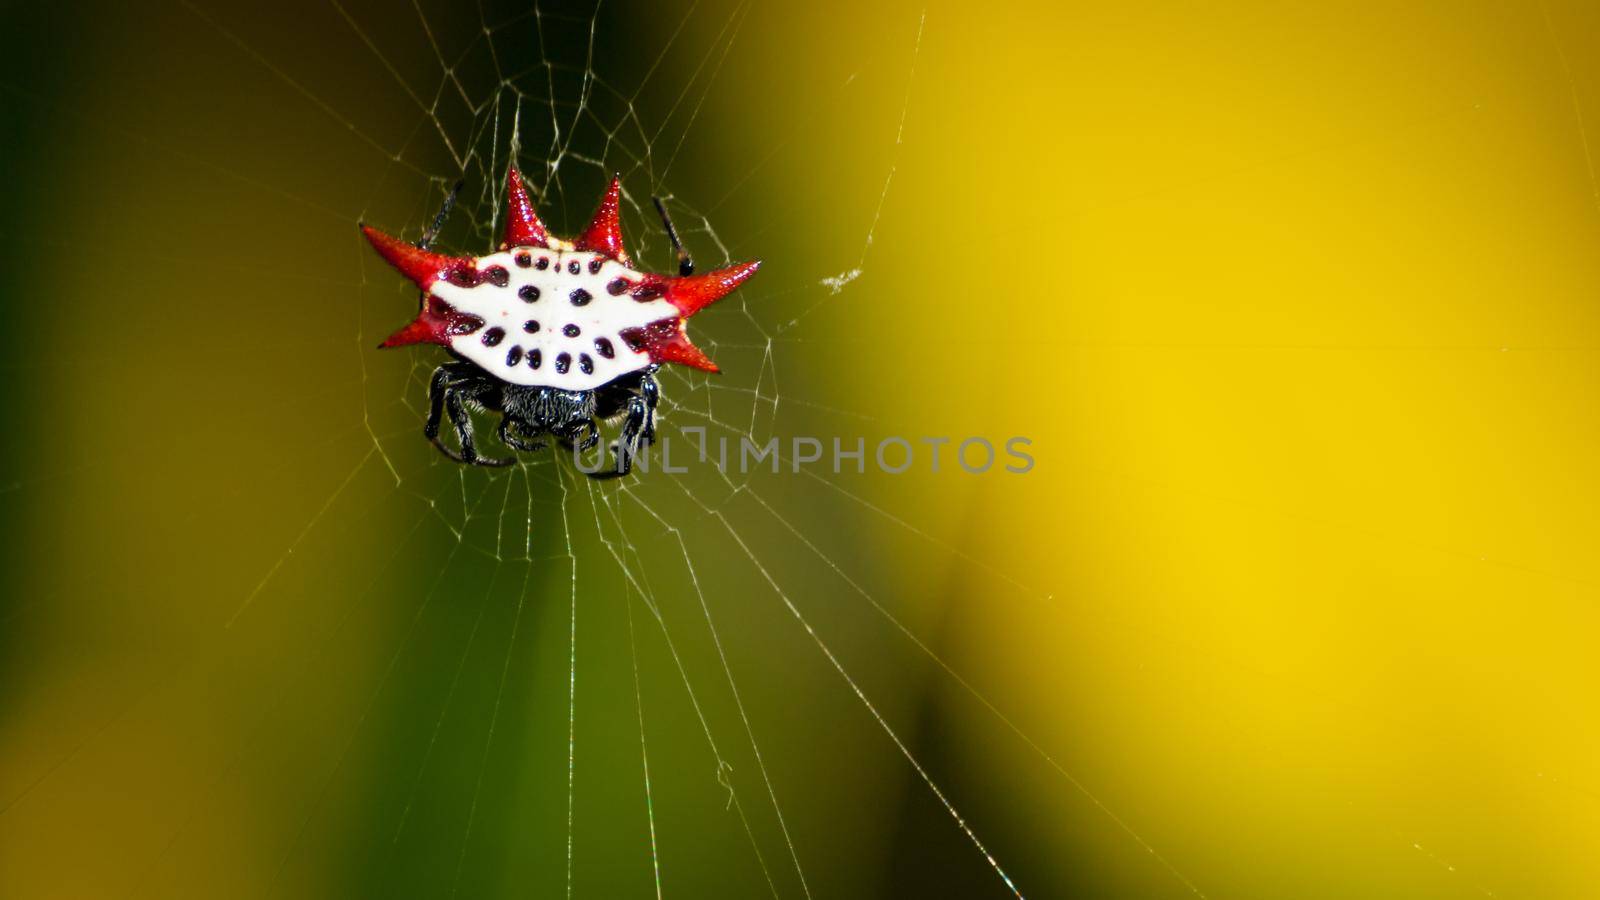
point(556, 336)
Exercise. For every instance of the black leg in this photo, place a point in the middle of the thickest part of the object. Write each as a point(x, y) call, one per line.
point(514, 434)
point(590, 435)
point(437, 388)
point(463, 424)
point(630, 442)
point(449, 384)
point(685, 264)
point(579, 435)
point(639, 429)
point(432, 234)
point(651, 392)
point(448, 377)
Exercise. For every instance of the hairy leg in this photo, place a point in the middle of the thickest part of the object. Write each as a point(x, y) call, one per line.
point(584, 435)
point(462, 421)
point(650, 391)
point(629, 443)
point(451, 383)
point(515, 434)
point(450, 376)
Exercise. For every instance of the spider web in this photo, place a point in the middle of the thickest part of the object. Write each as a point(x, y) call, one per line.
point(589, 688)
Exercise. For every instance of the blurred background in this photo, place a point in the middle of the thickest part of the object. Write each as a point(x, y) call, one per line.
point(1297, 306)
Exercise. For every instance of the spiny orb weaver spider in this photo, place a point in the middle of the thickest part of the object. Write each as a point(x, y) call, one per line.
point(555, 336)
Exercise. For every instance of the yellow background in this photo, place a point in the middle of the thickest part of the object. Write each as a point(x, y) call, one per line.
point(1298, 307)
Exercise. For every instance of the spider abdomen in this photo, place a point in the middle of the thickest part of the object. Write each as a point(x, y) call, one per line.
point(554, 318)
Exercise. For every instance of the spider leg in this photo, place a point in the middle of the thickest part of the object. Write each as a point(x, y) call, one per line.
point(513, 434)
point(639, 428)
point(579, 436)
point(651, 392)
point(590, 435)
point(630, 442)
point(463, 425)
point(445, 379)
point(685, 264)
point(432, 234)
point(437, 388)
point(449, 382)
